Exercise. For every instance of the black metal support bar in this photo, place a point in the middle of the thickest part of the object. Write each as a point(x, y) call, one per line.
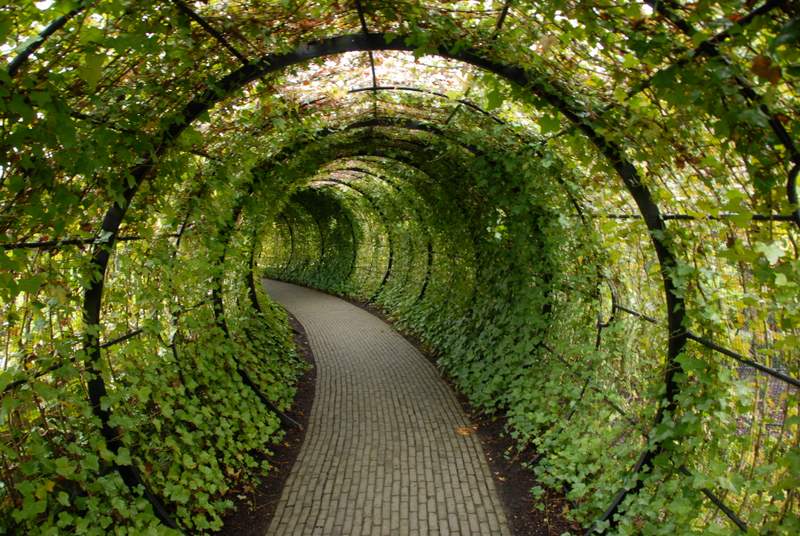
point(197, 305)
point(374, 83)
point(362, 19)
point(742, 359)
point(765, 8)
point(372, 68)
point(22, 381)
point(291, 242)
point(721, 349)
point(498, 27)
point(709, 48)
point(718, 503)
point(720, 217)
point(457, 107)
point(635, 313)
point(192, 14)
point(123, 338)
point(50, 244)
point(791, 192)
point(466, 103)
point(350, 220)
point(135, 333)
point(622, 493)
point(15, 64)
point(251, 278)
point(428, 272)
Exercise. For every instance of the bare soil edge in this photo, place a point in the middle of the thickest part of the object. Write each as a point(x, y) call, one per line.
point(255, 507)
point(513, 480)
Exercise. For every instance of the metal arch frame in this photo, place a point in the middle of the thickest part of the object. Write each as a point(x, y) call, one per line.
point(13, 67)
point(255, 246)
point(387, 141)
point(425, 225)
point(298, 209)
point(379, 211)
point(360, 151)
point(707, 47)
point(375, 150)
point(99, 262)
point(465, 102)
point(225, 233)
point(548, 91)
point(421, 126)
point(291, 240)
point(410, 125)
point(468, 104)
point(345, 213)
point(294, 225)
point(412, 146)
point(321, 235)
point(408, 161)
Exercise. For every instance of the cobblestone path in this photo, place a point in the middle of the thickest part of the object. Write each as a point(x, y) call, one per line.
point(382, 454)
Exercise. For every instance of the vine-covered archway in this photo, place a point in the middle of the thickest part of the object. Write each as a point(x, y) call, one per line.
point(588, 212)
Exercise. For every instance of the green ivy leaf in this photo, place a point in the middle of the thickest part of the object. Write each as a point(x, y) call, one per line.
point(123, 456)
point(629, 61)
point(92, 69)
point(549, 124)
point(772, 251)
point(65, 467)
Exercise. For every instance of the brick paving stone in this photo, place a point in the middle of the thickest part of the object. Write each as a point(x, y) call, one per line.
point(381, 454)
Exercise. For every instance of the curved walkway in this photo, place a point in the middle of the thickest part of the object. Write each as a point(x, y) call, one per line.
point(382, 454)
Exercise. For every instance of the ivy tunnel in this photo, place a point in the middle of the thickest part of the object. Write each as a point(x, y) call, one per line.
point(586, 213)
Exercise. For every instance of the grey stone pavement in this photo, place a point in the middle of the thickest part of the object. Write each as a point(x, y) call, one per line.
point(382, 454)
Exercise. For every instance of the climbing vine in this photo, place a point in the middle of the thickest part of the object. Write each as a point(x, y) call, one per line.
point(588, 212)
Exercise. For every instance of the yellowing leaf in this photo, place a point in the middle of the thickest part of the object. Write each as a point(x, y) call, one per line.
point(762, 67)
point(45, 488)
point(466, 430)
point(547, 42)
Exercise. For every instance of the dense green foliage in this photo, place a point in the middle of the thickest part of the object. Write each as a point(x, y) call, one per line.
point(481, 178)
point(514, 294)
point(184, 417)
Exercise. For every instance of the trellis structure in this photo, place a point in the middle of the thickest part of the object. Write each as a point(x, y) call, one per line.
point(529, 186)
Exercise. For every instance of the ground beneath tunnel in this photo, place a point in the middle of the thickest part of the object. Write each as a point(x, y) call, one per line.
point(388, 449)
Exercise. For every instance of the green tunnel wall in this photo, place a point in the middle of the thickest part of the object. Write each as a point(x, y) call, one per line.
point(587, 212)
point(507, 297)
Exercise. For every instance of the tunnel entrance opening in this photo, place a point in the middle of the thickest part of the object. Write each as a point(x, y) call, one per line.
point(590, 211)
